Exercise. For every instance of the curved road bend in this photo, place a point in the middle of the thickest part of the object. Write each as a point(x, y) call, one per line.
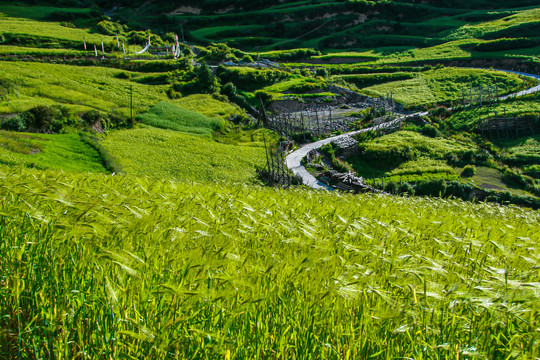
point(294, 159)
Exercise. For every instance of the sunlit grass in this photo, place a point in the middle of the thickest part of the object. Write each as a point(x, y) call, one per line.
point(60, 152)
point(125, 267)
point(446, 84)
point(168, 154)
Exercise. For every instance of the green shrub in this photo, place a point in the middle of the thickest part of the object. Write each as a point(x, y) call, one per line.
point(533, 170)
point(41, 118)
point(16, 123)
point(407, 188)
point(341, 166)
point(430, 130)
point(248, 78)
point(230, 91)
point(218, 53)
point(468, 171)
point(123, 75)
point(322, 72)
point(247, 58)
point(392, 187)
point(204, 82)
point(431, 187)
point(91, 117)
point(107, 27)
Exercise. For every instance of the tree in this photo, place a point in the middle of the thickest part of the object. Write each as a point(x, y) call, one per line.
point(206, 81)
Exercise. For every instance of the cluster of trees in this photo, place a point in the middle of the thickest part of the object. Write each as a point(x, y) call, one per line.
point(200, 81)
point(505, 44)
point(56, 119)
point(248, 79)
point(460, 190)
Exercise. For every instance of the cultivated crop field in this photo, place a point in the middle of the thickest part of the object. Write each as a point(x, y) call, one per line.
point(126, 267)
point(162, 153)
point(134, 225)
point(444, 85)
point(30, 21)
point(80, 88)
point(60, 152)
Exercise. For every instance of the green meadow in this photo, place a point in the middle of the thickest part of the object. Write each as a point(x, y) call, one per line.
point(78, 87)
point(161, 153)
point(60, 152)
point(445, 84)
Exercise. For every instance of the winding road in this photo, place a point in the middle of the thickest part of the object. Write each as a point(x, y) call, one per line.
point(294, 159)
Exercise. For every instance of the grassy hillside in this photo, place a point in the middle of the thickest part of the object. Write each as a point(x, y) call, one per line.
point(447, 84)
point(164, 154)
point(80, 88)
point(168, 116)
point(60, 152)
point(324, 25)
point(129, 267)
point(186, 256)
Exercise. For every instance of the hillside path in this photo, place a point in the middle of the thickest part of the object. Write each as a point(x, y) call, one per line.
point(294, 159)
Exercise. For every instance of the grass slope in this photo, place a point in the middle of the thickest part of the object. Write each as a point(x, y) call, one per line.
point(524, 149)
point(165, 115)
point(125, 267)
point(61, 152)
point(32, 20)
point(80, 88)
point(169, 154)
point(446, 84)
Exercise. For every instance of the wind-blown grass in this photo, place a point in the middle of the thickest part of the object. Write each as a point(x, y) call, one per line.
point(125, 267)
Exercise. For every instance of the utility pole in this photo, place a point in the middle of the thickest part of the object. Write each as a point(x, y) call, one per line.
point(131, 103)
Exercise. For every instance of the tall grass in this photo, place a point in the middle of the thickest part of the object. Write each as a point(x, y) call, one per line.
point(168, 116)
point(169, 154)
point(60, 152)
point(121, 267)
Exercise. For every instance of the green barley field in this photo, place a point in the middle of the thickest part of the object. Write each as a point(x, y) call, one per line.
point(47, 151)
point(170, 154)
point(112, 267)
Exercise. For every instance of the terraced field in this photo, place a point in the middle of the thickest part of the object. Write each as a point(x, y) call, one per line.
point(161, 153)
point(184, 254)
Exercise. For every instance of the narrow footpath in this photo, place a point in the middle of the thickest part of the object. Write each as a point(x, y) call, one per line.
point(294, 159)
